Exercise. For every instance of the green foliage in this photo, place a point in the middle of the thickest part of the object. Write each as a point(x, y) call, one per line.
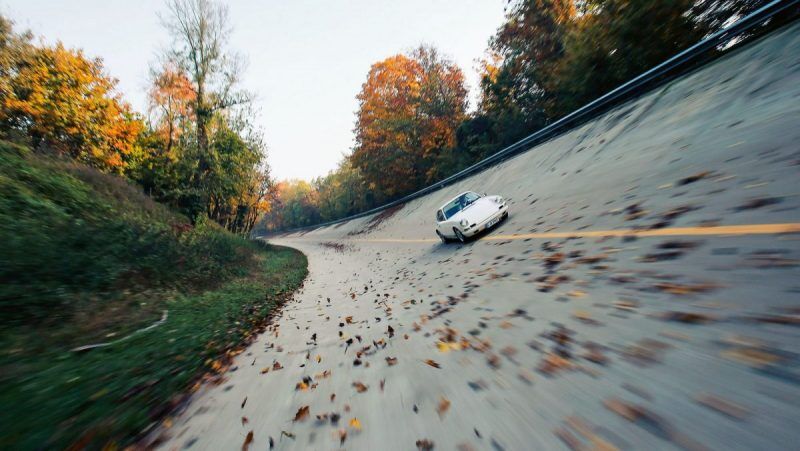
point(88, 258)
point(53, 397)
point(69, 231)
point(200, 153)
point(342, 193)
point(615, 41)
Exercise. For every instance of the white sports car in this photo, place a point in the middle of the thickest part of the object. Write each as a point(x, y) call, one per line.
point(468, 214)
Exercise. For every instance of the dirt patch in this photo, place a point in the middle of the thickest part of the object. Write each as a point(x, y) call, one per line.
point(378, 219)
point(337, 247)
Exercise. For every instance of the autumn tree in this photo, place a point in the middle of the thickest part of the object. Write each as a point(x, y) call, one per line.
point(221, 170)
point(295, 205)
point(517, 77)
point(409, 109)
point(342, 192)
point(171, 99)
point(200, 34)
point(547, 58)
point(616, 40)
point(61, 101)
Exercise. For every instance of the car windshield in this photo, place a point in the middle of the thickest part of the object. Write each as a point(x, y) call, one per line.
point(461, 202)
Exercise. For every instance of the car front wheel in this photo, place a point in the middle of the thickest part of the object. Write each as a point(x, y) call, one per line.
point(460, 235)
point(441, 237)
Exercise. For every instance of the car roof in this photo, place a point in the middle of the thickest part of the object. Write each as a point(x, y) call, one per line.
point(465, 192)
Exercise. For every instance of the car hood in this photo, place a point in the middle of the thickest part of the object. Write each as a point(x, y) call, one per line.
point(481, 210)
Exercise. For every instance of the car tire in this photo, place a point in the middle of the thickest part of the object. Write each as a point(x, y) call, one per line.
point(442, 237)
point(460, 235)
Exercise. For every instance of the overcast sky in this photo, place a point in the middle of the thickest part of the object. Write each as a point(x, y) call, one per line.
point(307, 59)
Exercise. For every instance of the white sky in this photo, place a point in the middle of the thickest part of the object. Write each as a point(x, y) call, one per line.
point(307, 59)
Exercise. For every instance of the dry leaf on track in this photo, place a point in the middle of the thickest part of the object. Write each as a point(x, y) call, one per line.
point(443, 407)
point(432, 363)
point(302, 414)
point(247, 441)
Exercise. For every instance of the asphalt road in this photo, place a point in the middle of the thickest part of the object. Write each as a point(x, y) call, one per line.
point(643, 294)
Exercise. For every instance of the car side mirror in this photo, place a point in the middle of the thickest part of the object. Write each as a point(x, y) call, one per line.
point(484, 194)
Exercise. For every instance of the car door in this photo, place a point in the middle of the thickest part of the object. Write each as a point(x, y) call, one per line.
point(446, 227)
point(440, 223)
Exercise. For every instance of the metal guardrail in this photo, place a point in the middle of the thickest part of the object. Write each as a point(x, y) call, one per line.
point(647, 81)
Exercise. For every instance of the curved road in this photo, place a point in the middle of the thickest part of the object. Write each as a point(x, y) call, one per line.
point(644, 294)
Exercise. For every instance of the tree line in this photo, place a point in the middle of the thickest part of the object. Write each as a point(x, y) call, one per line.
point(195, 148)
point(547, 58)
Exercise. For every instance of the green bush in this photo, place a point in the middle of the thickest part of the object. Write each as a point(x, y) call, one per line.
point(69, 231)
point(86, 258)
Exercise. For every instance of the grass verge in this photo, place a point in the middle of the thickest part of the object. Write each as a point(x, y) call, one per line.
point(87, 258)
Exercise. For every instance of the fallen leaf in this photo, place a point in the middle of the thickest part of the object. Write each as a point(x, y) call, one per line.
point(424, 445)
point(247, 441)
point(526, 376)
point(686, 317)
point(584, 317)
point(626, 410)
point(391, 361)
point(432, 363)
point(756, 358)
point(360, 387)
point(493, 360)
point(443, 407)
point(568, 438)
point(244, 402)
point(626, 305)
point(552, 364)
point(722, 406)
point(244, 421)
point(302, 414)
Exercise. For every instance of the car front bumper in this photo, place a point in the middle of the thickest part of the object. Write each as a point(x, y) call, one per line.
point(475, 229)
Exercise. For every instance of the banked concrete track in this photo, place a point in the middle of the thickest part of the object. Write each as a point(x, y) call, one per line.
point(546, 333)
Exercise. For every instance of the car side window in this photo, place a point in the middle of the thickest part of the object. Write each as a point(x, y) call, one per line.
point(439, 216)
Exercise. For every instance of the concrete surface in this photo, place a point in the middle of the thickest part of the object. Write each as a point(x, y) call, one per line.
point(650, 342)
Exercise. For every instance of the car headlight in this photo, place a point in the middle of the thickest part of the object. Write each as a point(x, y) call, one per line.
point(464, 223)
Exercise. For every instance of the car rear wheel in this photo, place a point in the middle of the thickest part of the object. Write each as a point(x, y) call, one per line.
point(460, 235)
point(441, 237)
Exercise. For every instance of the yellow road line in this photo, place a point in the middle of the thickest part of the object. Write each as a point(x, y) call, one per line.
point(731, 230)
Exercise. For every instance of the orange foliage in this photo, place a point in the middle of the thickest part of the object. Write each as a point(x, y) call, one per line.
point(64, 101)
point(171, 97)
point(409, 109)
